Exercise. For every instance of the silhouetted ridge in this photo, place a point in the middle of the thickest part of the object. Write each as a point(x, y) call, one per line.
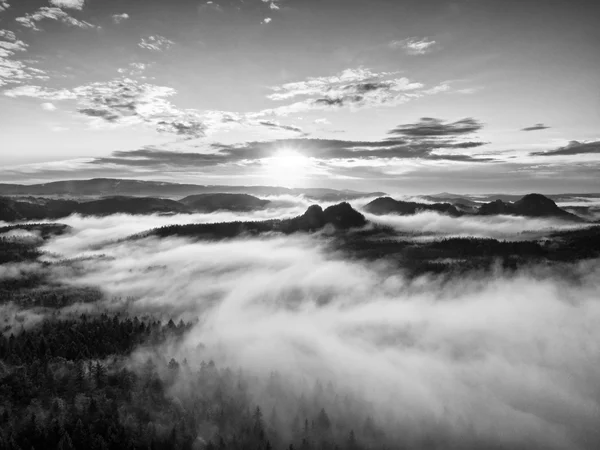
point(387, 205)
point(312, 219)
point(343, 215)
point(224, 201)
point(130, 205)
point(537, 204)
point(34, 208)
point(495, 208)
point(530, 205)
point(340, 216)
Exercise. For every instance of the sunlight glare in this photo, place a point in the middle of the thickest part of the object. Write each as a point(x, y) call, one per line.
point(287, 167)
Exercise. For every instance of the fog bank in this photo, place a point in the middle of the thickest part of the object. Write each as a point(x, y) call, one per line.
point(506, 360)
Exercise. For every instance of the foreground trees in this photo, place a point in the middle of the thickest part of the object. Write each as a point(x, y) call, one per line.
point(72, 384)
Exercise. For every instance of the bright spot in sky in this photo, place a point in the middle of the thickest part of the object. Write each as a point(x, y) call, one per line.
point(287, 167)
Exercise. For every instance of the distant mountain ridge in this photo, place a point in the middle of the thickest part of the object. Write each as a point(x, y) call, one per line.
point(232, 202)
point(530, 205)
point(35, 208)
point(387, 205)
point(101, 187)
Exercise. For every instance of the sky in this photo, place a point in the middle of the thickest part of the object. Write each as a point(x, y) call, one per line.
point(467, 96)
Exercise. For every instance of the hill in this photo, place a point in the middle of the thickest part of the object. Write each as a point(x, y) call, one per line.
point(341, 217)
point(387, 205)
point(531, 205)
point(229, 202)
point(33, 208)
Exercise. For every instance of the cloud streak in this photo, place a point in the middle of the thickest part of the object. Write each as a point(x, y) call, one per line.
point(536, 127)
point(573, 148)
point(432, 127)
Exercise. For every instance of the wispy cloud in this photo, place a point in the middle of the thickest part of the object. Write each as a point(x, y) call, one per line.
point(573, 148)
point(9, 44)
point(41, 93)
point(536, 127)
point(352, 88)
point(127, 102)
point(118, 18)
point(124, 102)
point(69, 4)
point(15, 71)
point(48, 107)
point(156, 43)
point(4, 5)
point(432, 127)
point(277, 125)
point(414, 46)
point(272, 4)
point(133, 69)
point(51, 13)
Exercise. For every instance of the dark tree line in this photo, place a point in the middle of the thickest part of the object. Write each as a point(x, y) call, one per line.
point(70, 385)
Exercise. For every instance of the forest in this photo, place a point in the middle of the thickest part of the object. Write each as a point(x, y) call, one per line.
point(84, 367)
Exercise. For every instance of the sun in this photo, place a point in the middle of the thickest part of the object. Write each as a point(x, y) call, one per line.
point(287, 167)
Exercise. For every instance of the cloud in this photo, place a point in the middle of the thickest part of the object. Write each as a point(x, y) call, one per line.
point(431, 127)
point(414, 46)
point(48, 13)
point(127, 101)
point(318, 86)
point(352, 88)
point(267, 20)
point(573, 148)
point(48, 106)
point(124, 101)
point(537, 126)
point(277, 125)
point(118, 18)
point(341, 149)
point(41, 93)
point(156, 43)
point(12, 71)
point(69, 4)
point(4, 5)
point(272, 4)
point(324, 150)
point(134, 70)
point(10, 44)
